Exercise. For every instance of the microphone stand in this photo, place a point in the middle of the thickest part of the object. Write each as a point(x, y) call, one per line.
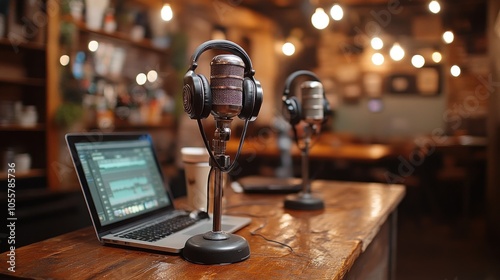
point(305, 200)
point(217, 246)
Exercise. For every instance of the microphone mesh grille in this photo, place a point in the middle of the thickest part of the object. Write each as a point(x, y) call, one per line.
point(226, 80)
point(312, 101)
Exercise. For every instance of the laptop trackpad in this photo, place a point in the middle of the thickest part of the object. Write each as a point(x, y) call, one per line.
point(205, 227)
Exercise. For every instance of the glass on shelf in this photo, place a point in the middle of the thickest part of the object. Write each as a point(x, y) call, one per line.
point(28, 117)
point(23, 162)
point(94, 13)
point(7, 113)
point(76, 9)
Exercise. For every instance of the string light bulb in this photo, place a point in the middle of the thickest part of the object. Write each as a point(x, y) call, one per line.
point(436, 57)
point(166, 12)
point(397, 52)
point(448, 37)
point(336, 12)
point(378, 59)
point(377, 43)
point(320, 19)
point(418, 61)
point(288, 49)
point(455, 70)
point(434, 7)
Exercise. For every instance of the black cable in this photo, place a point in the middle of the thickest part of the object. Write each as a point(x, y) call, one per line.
point(207, 145)
point(254, 232)
point(208, 188)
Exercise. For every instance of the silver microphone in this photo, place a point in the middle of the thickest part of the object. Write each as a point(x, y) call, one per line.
point(312, 102)
point(226, 83)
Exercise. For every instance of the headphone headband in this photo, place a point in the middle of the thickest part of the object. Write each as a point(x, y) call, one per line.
point(227, 46)
point(295, 75)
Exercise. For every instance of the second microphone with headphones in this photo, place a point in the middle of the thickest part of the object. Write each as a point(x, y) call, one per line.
point(313, 107)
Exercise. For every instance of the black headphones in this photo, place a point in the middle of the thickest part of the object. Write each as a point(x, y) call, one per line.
point(291, 104)
point(197, 97)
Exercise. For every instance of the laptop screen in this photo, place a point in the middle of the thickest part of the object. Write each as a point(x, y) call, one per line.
point(122, 177)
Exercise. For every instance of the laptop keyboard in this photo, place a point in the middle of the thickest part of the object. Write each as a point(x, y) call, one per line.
point(158, 231)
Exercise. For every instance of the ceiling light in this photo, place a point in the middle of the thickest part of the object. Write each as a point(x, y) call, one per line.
point(434, 7)
point(455, 70)
point(320, 19)
point(336, 12)
point(436, 57)
point(448, 37)
point(166, 12)
point(378, 59)
point(397, 52)
point(418, 61)
point(288, 49)
point(377, 43)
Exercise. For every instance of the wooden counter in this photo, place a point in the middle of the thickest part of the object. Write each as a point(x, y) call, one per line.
point(354, 236)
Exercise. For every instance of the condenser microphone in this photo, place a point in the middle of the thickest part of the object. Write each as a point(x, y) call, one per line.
point(226, 84)
point(312, 102)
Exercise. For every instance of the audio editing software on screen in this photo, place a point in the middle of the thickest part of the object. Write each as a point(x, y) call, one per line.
point(125, 177)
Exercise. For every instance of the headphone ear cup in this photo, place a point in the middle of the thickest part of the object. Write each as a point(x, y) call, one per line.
point(206, 97)
point(196, 97)
point(291, 110)
point(259, 98)
point(252, 99)
point(191, 86)
point(327, 110)
point(248, 100)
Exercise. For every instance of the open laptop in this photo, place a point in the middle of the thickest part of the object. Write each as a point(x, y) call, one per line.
point(125, 191)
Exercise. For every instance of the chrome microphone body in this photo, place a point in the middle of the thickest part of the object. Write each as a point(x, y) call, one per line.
point(312, 102)
point(226, 84)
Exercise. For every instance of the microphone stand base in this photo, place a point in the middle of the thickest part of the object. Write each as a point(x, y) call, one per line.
point(303, 201)
point(200, 250)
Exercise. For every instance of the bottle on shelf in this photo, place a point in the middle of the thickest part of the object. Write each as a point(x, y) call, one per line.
point(109, 21)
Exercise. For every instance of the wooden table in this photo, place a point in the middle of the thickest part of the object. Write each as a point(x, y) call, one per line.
point(354, 236)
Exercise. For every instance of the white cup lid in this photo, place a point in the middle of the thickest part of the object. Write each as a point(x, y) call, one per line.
point(194, 154)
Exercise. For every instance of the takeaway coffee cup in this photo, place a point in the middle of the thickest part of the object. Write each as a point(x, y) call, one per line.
point(197, 170)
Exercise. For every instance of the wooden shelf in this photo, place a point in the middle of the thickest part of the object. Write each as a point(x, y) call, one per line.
point(29, 66)
point(33, 173)
point(18, 127)
point(22, 81)
point(23, 45)
point(132, 127)
point(143, 126)
point(144, 43)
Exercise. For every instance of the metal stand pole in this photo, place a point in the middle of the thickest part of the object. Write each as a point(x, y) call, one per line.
point(305, 200)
